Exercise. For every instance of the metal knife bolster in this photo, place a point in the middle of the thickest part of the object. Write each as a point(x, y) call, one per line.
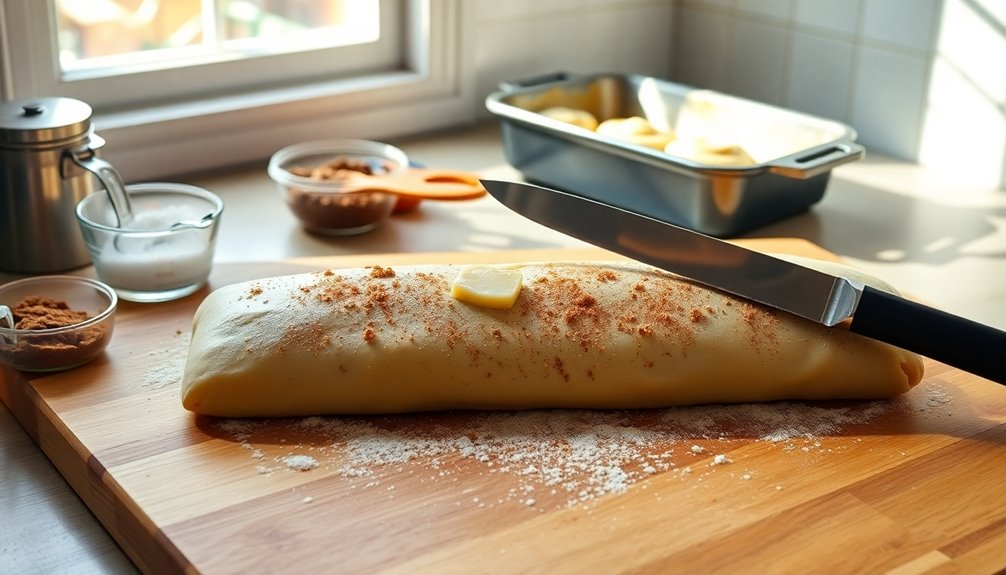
point(842, 302)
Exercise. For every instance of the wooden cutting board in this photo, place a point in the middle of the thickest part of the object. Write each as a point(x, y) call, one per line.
point(912, 485)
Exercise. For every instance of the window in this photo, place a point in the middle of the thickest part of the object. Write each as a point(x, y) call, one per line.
point(186, 85)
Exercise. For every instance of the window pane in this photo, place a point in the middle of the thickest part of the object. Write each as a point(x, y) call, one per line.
point(98, 29)
point(119, 34)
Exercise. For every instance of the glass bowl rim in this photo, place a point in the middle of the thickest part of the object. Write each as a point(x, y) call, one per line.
point(149, 188)
point(101, 287)
point(334, 147)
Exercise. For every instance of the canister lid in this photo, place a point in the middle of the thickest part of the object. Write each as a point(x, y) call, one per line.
point(43, 120)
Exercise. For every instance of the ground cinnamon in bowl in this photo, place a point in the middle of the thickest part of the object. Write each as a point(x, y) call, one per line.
point(39, 312)
point(49, 334)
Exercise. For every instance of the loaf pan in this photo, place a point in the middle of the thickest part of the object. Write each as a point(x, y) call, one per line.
point(793, 153)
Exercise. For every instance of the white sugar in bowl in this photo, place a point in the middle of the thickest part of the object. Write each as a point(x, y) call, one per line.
point(164, 251)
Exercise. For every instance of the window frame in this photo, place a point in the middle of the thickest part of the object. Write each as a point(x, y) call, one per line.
point(431, 89)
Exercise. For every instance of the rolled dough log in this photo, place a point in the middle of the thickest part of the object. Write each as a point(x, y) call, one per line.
point(581, 335)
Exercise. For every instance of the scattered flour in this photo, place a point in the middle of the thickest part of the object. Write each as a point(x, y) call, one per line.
point(937, 398)
point(572, 455)
point(238, 430)
point(166, 365)
point(300, 462)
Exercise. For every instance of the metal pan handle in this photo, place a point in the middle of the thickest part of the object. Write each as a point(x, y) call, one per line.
point(817, 160)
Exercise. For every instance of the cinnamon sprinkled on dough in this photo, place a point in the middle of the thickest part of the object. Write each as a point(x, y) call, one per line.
point(369, 334)
point(333, 288)
point(570, 309)
point(381, 272)
point(626, 323)
point(377, 296)
point(454, 334)
point(583, 306)
point(557, 364)
point(761, 323)
point(560, 307)
point(311, 336)
point(473, 352)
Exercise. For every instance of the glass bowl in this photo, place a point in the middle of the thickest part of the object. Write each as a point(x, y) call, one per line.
point(62, 322)
point(305, 174)
point(165, 252)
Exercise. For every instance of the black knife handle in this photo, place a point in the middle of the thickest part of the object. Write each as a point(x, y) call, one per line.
point(956, 341)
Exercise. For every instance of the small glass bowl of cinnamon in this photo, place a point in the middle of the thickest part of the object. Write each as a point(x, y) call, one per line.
point(54, 323)
point(308, 176)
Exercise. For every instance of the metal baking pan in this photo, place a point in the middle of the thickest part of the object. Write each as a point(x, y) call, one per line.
point(792, 153)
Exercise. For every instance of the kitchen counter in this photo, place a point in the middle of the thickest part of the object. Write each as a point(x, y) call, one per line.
point(940, 240)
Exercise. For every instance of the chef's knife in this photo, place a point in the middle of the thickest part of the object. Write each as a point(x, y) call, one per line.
point(806, 292)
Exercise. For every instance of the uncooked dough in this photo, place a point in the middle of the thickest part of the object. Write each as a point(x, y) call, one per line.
point(636, 130)
point(574, 116)
point(708, 152)
point(581, 335)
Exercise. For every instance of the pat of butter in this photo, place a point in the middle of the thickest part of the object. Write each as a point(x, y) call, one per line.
point(488, 286)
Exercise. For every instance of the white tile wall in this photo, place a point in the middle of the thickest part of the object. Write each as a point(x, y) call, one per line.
point(964, 131)
point(965, 123)
point(758, 59)
point(863, 62)
point(888, 99)
point(904, 23)
point(923, 80)
point(524, 38)
point(773, 8)
point(819, 72)
point(702, 42)
point(974, 42)
point(841, 16)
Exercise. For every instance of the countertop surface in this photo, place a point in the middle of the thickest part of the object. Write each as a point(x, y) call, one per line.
point(941, 240)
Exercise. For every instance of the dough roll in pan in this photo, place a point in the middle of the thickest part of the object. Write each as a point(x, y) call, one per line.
point(580, 335)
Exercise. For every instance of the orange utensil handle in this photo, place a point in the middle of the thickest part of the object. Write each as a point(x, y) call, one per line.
point(434, 184)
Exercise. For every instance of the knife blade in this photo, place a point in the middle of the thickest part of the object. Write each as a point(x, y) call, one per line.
point(820, 297)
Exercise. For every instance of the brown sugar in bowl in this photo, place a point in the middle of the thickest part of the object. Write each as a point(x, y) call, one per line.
point(60, 322)
point(308, 176)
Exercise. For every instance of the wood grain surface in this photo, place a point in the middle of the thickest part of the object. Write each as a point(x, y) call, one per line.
point(911, 485)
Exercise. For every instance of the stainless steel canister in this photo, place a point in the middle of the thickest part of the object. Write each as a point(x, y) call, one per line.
point(47, 150)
